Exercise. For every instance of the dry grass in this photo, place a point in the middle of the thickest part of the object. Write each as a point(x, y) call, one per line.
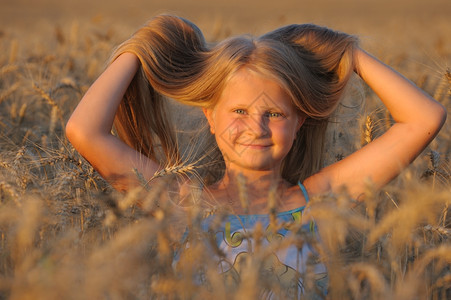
point(65, 234)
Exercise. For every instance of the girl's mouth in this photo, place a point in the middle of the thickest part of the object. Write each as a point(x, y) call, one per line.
point(256, 146)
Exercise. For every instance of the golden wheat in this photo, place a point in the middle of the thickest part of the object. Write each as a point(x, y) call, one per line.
point(178, 169)
point(367, 133)
point(439, 92)
point(13, 51)
point(5, 94)
point(66, 234)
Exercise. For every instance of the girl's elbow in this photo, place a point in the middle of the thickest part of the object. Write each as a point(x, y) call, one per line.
point(441, 116)
point(74, 134)
point(444, 114)
point(436, 120)
point(70, 130)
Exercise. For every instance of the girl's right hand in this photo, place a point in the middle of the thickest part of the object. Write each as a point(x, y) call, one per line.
point(89, 127)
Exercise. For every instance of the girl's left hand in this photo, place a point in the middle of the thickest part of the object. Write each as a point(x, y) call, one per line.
point(418, 119)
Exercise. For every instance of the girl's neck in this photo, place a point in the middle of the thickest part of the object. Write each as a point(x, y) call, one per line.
point(249, 192)
point(258, 181)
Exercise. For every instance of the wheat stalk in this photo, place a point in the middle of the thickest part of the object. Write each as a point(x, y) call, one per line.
point(272, 204)
point(181, 169)
point(242, 192)
point(19, 155)
point(13, 111)
point(367, 133)
point(448, 77)
point(59, 35)
point(387, 119)
point(21, 115)
point(178, 168)
point(45, 96)
point(438, 229)
point(53, 119)
point(9, 91)
point(74, 34)
point(434, 158)
point(421, 83)
point(439, 90)
point(7, 69)
point(5, 165)
point(56, 112)
point(13, 52)
point(67, 82)
point(6, 187)
point(365, 274)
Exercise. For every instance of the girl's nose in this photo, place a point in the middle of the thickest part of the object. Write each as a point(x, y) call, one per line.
point(258, 125)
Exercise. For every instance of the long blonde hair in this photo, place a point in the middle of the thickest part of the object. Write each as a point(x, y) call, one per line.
point(312, 63)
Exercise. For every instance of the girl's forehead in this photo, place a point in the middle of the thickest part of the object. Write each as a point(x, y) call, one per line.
point(246, 81)
point(253, 88)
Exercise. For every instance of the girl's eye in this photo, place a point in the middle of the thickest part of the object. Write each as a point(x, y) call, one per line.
point(240, 111)
point(274, 114)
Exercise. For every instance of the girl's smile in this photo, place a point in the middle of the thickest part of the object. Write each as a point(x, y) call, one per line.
point(254, 122)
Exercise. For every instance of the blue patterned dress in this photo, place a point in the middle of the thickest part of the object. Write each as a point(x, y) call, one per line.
point(285, 265)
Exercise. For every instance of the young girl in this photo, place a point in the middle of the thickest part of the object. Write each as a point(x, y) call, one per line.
point(267, 101)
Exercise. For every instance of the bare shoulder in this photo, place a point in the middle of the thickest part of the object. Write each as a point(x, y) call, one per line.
point(318, 183)
point(292, 198)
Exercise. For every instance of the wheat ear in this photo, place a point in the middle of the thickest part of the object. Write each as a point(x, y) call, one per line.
point(176, 169)
point(448, 77)
point(441, 87)
point(367, 133)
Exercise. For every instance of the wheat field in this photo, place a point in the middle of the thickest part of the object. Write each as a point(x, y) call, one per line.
point(66, 234)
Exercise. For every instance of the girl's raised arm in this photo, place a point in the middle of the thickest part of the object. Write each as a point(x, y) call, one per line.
point(418, 119)
point(89, 127)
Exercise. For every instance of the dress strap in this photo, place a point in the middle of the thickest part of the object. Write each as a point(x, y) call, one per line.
point(304, 191)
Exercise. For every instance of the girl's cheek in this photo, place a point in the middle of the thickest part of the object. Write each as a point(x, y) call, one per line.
point(284, 134)
point(231, 131)
point(237, 133)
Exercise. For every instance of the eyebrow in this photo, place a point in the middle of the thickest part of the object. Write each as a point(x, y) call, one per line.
point(273, 107)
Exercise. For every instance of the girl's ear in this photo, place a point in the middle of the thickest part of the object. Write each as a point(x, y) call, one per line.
point(208, 112)
point(301, 120)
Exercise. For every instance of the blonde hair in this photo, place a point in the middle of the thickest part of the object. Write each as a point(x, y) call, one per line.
point(312, 64)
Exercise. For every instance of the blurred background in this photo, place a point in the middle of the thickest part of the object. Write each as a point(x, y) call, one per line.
point(64, 234)
point(419, 24)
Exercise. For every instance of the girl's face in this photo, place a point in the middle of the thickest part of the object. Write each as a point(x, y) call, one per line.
point(254, 122)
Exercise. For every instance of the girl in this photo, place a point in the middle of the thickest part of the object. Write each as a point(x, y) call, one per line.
point(267, 101)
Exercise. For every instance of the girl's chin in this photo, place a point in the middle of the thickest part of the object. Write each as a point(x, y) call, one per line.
point(252, 159)
point(253, 165)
